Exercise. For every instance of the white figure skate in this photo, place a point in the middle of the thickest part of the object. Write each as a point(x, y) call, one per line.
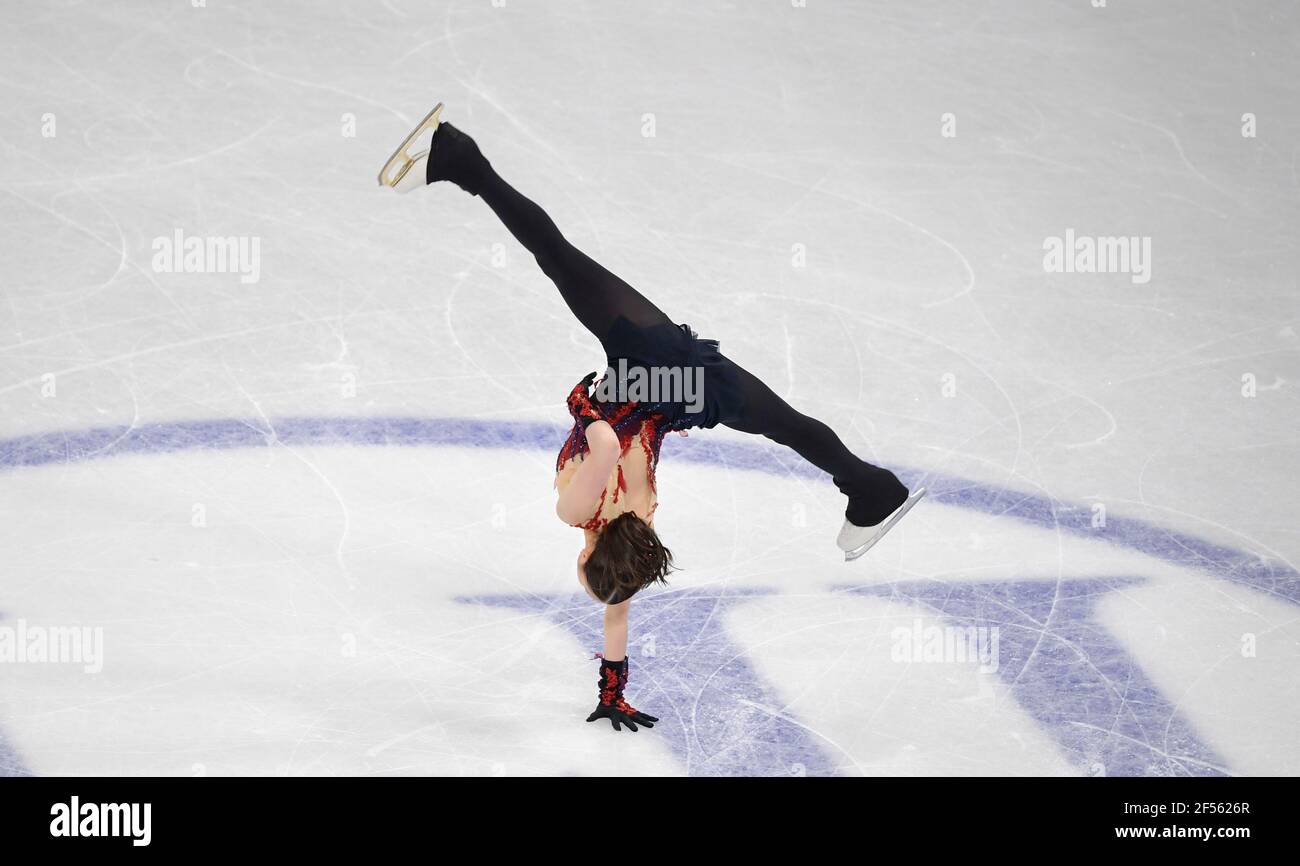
point(857, 540)
point(404, 170)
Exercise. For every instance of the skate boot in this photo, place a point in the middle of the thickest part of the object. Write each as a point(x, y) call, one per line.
point(856, 540)
point(455, 157)
point(405, 170)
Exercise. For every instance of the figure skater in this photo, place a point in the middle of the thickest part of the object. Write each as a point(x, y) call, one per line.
point(605, 472)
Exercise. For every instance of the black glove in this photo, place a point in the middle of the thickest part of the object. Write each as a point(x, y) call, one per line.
point(613, 676)
point(643, 718)
point(617, 717)
point(580, 405)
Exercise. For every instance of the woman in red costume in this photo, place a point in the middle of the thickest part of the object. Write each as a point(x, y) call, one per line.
point(605, 473)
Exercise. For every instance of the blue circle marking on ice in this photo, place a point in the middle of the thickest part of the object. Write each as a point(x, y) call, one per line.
point(1130, 731)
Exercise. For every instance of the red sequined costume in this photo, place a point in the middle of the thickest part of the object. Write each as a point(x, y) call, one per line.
point(636, 426)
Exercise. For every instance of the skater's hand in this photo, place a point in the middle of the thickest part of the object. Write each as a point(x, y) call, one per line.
point(580, 405)
point(637, 716)
point(622, 713)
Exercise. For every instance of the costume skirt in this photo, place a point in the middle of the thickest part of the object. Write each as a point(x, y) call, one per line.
point(709, 392)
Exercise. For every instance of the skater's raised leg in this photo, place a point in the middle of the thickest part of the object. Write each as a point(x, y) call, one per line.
point(595, 295)
point(598, 298)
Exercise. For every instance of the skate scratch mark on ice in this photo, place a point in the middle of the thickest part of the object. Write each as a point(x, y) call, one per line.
point(76, 332)
point(1047, 657)
point(900, 328)
point(1192, 557)
point(1178, 146)
point(311, 85)
point(448, 318)
point(968, 289)
point(1005, 148)
point(298, 228)
point(1222, 527)
point(199, 157)
point(210, 338)
point(273, 439)
point(1110, 419)
point(150, 169)
point(1223, 215)
point(375, 751)
point(123, 261)
point(135, 417)
point(789, 361)
point(865, 205)
point(1044, 631)
point(1070, 392)
point(148, 275)
point(710, 613)
point(697, 665)
point(429, 43)
point(156, 686)
point(1228, 656)
point(123, 257)
point(859, 400)
point(514, 121)
point(1179, 759)
point(965, 262)
point(563, 160)
point(1212, 362)
point(106, 95)
point(340, 362)
point(11, 764)
point(784, 716)
point(783, 711)
point(857, 358)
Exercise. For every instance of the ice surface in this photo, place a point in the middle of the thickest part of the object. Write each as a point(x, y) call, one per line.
point(313, 514)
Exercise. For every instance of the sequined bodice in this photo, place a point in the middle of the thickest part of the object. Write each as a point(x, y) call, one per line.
point(631, 486)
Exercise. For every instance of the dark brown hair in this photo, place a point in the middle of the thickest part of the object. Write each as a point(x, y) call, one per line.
point(627, 557)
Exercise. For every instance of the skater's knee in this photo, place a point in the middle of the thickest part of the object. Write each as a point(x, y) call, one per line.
point(552, 257)
point(798, 428)
point(548, 265)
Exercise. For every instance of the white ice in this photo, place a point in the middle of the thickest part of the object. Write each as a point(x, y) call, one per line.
point(777, 176)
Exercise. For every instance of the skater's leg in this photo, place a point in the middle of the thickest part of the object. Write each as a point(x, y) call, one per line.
point(873, 492)
point(596, 296)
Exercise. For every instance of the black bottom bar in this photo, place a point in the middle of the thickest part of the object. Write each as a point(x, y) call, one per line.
point(645, 818)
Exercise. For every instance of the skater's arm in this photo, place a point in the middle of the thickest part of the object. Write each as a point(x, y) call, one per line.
point(578, 499)
point(616, 630)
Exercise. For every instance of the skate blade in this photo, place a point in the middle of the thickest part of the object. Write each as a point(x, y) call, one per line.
point(850, 555)
point(400, 162)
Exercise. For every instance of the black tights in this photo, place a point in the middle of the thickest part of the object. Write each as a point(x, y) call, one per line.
point(598, 297)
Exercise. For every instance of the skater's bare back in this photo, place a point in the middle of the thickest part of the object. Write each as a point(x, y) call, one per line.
point(611, 479)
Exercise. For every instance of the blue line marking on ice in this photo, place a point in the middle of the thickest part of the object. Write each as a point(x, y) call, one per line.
point(1113, 716)
point(1070, 674)
point(717, 714)
point(10, 763)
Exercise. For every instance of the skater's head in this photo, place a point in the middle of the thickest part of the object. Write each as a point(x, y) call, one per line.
point(626, 557)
